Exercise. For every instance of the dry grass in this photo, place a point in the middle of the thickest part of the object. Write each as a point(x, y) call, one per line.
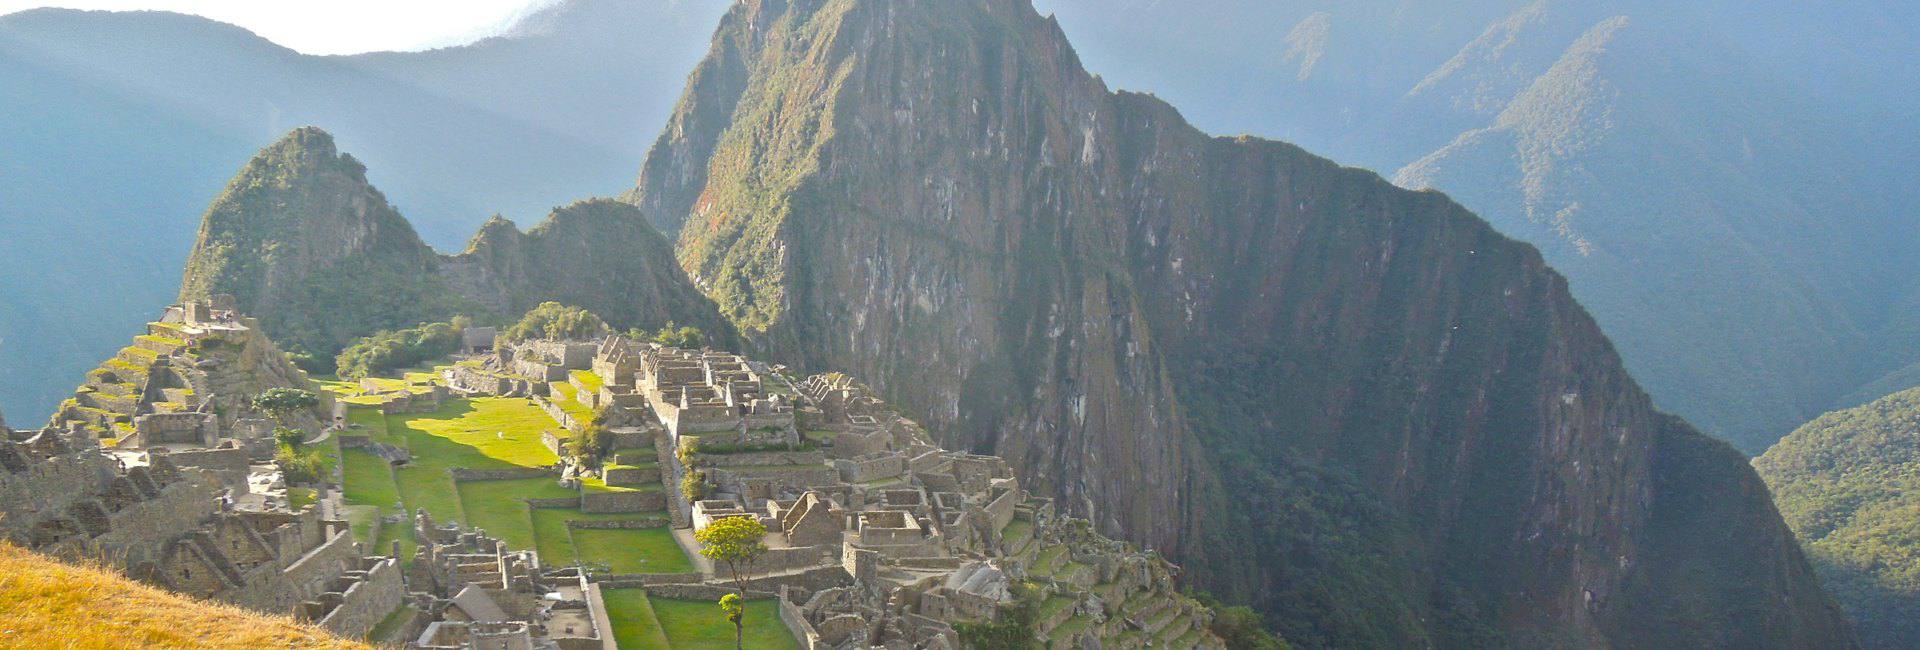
point(46, 604)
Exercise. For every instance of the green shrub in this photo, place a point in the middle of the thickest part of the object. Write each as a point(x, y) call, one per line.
point(391, 350)
point(552, 320)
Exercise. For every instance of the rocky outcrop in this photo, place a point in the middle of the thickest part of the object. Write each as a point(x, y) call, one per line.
point(1356, 406)
point(301, 238)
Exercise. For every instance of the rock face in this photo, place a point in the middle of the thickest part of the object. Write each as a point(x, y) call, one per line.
point(301, 238)
point(1355, 406)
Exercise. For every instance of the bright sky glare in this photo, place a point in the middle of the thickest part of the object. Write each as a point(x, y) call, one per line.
point(335, 26)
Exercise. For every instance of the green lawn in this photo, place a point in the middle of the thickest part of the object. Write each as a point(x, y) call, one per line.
point(597, 484)
point(299, 497)
point(500, 507)
point(563, 397)
point(634, 625)
point(646, 550)
point(373, 423)
point(699, 625)
point(551, 540)
point(632, 550)
point(589, 381)
point(369, 482)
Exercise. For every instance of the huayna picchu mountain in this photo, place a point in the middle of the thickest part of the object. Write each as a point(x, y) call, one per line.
point(303, 239)
point(1355, 406)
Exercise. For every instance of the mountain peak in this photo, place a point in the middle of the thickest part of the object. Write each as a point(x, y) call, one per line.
point(1346, 396)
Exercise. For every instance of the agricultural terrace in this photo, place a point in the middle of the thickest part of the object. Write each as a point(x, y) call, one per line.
point(641, 621)
point(489, 433)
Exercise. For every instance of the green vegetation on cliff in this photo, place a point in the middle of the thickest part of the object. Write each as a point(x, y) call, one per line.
point(1357, 408)
point(1849, 485)
point(552, 320)
point(303, 240)
point(392, 350)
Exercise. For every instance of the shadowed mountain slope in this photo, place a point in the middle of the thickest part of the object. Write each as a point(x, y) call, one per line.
point(302, 239)
point(1356, 406)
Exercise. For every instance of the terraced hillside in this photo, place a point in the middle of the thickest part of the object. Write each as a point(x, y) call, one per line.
point(489, 462)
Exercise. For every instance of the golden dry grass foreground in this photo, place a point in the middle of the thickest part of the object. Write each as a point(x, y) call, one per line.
point(47, 604)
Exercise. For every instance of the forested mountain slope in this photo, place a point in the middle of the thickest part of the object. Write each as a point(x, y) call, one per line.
point(1356, 406)
point(118, 128)
point(301, 238)
point(1849, 484)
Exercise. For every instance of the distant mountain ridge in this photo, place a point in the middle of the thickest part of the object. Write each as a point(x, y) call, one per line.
point(302, 238)
point(1726, 184)
point(117, 130)
point(1355, 406)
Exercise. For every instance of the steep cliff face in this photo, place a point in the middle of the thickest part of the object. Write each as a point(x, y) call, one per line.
point(302, 239)
point(1356, 406)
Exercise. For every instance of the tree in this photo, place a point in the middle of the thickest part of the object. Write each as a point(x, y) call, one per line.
point(552, 320)
point(280, 403)
point(736, 612)
point(390, 350)
point(691, 486)
point(289, 437)
point(735, 542)
point(592, 445)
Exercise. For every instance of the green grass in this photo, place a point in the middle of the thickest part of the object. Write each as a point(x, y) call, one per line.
point(634, 624)
point(1053, 606)
point(368, 481)
point(588, 380)
point(632, 550)
point(564, 397)
point(389, 625)
point(461, 433)
point(551, 538)
point(1017, 533)
point(500, 507)
point(597, 484)
point(699, 625)
point(820, 435)
point(299, 497)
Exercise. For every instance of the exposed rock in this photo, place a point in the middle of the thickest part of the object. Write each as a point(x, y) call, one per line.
point(301, 238)
point(1356, 406)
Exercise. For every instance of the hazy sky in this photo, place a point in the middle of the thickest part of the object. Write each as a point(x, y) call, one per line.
point(334, 26)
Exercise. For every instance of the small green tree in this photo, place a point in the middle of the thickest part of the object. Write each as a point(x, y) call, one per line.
point(592, 445)
point(736, 612)
point(300, 465)
point(692, 487)
point(289, 437)
point(735, 542)
point(280, 403)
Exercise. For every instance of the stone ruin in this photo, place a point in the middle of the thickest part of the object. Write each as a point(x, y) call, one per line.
point(472, 592)
point(877, 536)
point(178, 529)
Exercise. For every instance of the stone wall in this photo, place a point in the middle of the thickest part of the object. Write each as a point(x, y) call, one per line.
point(141, 529)
point(594, 502)
point(797, 625)
point(367, 600)
point(618, 524)
point(871, 468)
point(500, 474)
point(633, 476)
point(155, 429)
point(269, 588)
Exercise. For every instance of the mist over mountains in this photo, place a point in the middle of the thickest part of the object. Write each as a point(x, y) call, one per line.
point(1722, 182)
point(118, 130)
point(1727, 185)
